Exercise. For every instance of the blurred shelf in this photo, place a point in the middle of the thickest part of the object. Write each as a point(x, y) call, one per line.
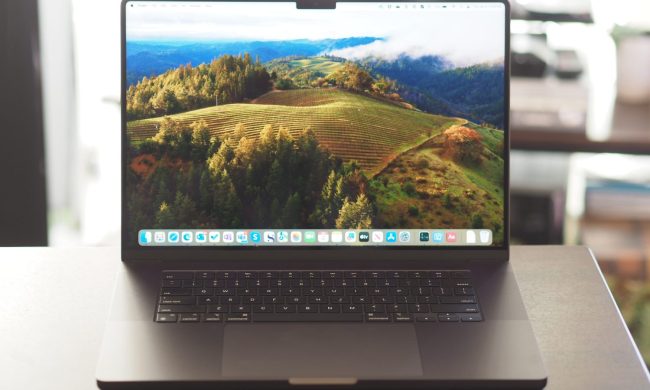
point(630, 134)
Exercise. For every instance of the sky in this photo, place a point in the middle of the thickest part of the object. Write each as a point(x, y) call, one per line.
point(463, 35)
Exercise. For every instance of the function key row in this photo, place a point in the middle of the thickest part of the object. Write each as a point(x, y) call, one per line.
point(210, 275)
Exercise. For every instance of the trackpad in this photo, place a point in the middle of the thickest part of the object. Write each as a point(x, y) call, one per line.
point(321, 351)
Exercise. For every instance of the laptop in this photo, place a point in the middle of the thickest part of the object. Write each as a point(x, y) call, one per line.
point(315, 195)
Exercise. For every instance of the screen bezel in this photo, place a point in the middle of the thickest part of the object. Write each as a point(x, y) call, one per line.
point(294, 257)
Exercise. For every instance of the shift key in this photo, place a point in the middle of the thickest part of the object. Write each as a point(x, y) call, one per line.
point(454, 308)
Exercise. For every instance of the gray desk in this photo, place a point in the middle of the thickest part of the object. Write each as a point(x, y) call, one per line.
point(55, 303)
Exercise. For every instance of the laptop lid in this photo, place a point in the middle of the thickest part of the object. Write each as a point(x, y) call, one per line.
point(364, 132)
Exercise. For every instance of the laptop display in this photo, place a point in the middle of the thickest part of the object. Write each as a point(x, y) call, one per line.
point(372, 124)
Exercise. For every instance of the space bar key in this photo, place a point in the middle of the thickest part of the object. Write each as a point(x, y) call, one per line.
point(307, 317)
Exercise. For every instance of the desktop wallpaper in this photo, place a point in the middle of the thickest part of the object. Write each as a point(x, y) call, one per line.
point(264, 116)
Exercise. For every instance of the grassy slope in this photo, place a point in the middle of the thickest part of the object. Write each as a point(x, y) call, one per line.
point(471, 189)
point(351, 126)
point(304, 68)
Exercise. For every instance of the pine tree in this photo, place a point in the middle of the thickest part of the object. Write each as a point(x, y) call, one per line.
point(355, 215)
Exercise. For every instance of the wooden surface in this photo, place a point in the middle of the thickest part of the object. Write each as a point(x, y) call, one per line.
point(55, 303)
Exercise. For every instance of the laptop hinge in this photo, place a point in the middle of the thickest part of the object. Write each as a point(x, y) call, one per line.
point(316, 4)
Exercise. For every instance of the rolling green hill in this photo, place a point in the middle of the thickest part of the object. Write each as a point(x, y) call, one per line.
point(302, 71)
point(349, 125)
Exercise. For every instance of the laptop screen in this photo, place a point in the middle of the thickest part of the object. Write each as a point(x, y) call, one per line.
point(261, 124)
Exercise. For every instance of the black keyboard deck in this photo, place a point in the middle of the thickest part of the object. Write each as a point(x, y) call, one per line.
point(317, 296)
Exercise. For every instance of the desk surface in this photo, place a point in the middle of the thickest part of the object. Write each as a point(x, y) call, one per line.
point(55, 303)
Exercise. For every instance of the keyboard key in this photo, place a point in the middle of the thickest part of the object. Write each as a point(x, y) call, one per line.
point(375, 308)
point(333, 308)
point(175, 291)
point(270, 275)
point(218, 308)
point(172, 283)
point(212, 317)
point(405, 299)
point(290, 275)
point(166, 317)
point(397, 274)
point(403, 317)
point(471, 317)
point(167, 275)
point(307, 308)
point(203, 291)
point(285, 308)
point(240, 308)
point(439, 275)
point(205, 275)
point(295, 300)
point(378, 317)
point(207, 300)
point(181, 309)
point(448, 317)
point(460, 299)
point(461, 274)
point(262, 309)
point(453, 308)
point(237, 317)
point(311, 275)
point(353, 274)
point(177, 300)
point(426, 318)
point(192, 283)
point(339, 300)
point(308, 317)
point(398, 307)
point(418, 308)
point(247, 275)
point(375, 275)
point(441, 291)
point(429, 299)
point(464, 291)
point(226, 275)
point(351, 308)
point(190, 317)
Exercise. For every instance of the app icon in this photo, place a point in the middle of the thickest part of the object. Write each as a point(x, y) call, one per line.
point(485, 236)
point(337, 236)
point(404, 236)
point(470, 237)
point(145, 237)
point(323, 237)
point(228, 237)
point(159, 237)
point(173, 237)
point(350, 236)
point(201, 237)
point(364, 236)
point(242, 237)
point(377, 236)
point(255, 236)
point(214, 236)
point(310, 236)
point(283, 236)
point(424, 236)
point(451, 236)
point(269, 237)
point(438, 237)
point(186, 237)
point(391, 236)
point(296, 236)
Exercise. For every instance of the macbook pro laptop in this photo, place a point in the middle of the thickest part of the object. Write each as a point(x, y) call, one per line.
point(315, 194)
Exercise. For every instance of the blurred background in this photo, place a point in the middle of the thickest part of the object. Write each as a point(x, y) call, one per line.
point(580, 131)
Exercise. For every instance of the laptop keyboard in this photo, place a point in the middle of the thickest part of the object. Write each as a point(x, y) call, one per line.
point(317, 296)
